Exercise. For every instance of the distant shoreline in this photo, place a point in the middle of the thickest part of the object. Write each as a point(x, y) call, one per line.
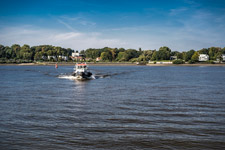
point(68, 64)
point(186, 65)
point(107, 64)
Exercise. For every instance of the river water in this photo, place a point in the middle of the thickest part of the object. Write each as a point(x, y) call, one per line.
point(125, 107)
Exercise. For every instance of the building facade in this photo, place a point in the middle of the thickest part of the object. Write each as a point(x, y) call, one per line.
point(77, 56)
point(203, 57)
point(223, 57)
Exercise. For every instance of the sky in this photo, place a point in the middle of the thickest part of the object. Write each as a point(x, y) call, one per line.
point(181, 25)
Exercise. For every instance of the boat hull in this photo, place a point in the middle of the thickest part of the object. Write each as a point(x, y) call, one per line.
point(83, 76)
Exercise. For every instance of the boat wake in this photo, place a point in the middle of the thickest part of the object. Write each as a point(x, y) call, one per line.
point(71, 77)
point(94, 76)
point(109, 75)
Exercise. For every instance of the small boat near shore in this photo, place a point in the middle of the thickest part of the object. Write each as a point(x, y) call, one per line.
point(81, 72)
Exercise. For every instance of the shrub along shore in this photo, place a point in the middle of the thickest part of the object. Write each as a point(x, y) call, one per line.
point(48, 54)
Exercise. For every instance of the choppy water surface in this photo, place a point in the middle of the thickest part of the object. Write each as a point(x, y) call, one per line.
point(132, 107)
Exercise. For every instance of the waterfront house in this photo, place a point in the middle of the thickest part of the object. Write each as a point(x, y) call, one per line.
point(173, 57)
point(63, 57)
point(203, 57)
point(77, 56)
point(223, 57)
point(52, 57)
point(44, 57)
point(98, 59)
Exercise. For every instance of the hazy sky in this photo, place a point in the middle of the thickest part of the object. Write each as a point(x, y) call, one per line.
point(80, 24)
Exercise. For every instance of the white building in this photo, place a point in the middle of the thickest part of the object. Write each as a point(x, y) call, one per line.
point(223, 57)
point(76, 54)
point(98, 59)
point(173, 57)
point(63, 57)
point(203, 57)
point(44, 57)
point(53, 57)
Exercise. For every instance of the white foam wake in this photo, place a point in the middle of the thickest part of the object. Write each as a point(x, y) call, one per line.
point(70, 77)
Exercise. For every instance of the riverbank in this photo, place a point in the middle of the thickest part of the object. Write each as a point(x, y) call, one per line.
point(186, 64)
point(107, 64)
point(71, 64)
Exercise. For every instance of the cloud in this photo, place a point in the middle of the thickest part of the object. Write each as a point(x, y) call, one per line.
point(66, 36)
point(79, 20)
point(177, 11)
point(192, 3)
point(75, 40)
point(66, 25)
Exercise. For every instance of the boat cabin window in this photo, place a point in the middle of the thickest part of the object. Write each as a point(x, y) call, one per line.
point(80, 67)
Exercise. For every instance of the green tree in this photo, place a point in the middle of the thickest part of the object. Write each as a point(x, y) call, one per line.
point(50, 53)
point(195, 57)
point(106, 56)
point(165, 48)
point(178, 54)
point(16, 51)
point(93, 53)
point(146, 55)
point(164, 53)
point(132, 53)
point(58, 51)
point(37, 48)
point(120, 50)
point(223, 50)
point(2, 51)
point(113, 53)
point(188, 55)
point(122, 56)
point(141, 58)
point(69, 52)
point(38, 56)
point(154, 56)
point(9, 52)
point(204, 51)
point(214, 52)
point(25, 52)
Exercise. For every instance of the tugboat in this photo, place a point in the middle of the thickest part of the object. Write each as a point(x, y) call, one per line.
point(81, 72)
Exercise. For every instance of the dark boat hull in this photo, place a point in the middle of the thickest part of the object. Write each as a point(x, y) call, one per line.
point(83, 75)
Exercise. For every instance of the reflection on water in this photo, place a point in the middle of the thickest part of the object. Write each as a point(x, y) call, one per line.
point(133, 107)
point(80, 86)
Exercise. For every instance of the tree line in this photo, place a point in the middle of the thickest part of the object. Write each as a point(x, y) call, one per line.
point(164, 53)
point(26, 53)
